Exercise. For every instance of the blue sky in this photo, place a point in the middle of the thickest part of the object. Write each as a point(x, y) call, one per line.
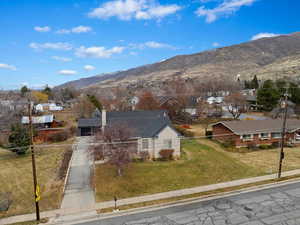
point(51, 42)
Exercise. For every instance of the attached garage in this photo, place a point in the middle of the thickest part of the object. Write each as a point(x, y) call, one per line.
point(88, 127)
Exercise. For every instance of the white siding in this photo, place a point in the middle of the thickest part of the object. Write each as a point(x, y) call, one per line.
point(166, 133)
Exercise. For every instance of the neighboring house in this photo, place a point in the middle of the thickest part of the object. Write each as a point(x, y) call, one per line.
point(251, 92)
point(252, 102)
point(165, 101)
point(134, 101)
point(151, 129)
point(44, 126)
point(255, 132)
point(54, 107)
point(39, 108)
point(214, 100)
point(191, 105)
point(46, 121)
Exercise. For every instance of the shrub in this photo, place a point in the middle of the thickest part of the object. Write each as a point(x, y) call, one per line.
point(228, 143)
point(184, 132)
point(59, 136)
point(276, 144)
point(252, 146)
point(166, 154)
point(73, 131)
point(186, 126)
point(144, 156)
point(265, 146)
point(65, 163)
point(208, 134)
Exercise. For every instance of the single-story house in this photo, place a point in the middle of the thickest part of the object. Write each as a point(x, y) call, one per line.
point(151, 129)
point(214, 100)
point(255, 132)
point(45, 121)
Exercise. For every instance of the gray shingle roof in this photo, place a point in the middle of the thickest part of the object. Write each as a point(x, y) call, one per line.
point(91, 122)
point(142, 123)
point(259, 126)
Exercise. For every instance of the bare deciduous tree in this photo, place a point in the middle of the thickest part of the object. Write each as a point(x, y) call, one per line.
point(236, 104)
point(115, 146)
point(147, 102)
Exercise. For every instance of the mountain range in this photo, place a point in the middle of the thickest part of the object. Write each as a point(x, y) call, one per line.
point(268, 58)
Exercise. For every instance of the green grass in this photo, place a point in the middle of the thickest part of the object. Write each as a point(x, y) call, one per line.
point(201, 165)
point(16, 178)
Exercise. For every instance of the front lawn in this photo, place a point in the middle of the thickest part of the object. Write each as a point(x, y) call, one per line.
point(16, 178)
point(201, 165)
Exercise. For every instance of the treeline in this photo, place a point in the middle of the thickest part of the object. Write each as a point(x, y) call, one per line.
point(270, 92)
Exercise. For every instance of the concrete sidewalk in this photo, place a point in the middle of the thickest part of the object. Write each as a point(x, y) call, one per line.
point(74, 211)
point(194, 190)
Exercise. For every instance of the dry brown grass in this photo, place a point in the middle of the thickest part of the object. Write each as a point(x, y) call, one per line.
point(16, 177)
point(67, 116)
point(267, 160)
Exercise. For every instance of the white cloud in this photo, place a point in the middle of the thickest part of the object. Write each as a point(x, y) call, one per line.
point(151, 44)
point(263, 35)
point(98, 51)
point(81, 29)
point(89, 67)
point(62, 59)
point(51, 45)
point(67, 72)
point(215, 44)
point(224, 9)
point(133, 9)
point(7, 66)
point(76, 30)
point(42, 29)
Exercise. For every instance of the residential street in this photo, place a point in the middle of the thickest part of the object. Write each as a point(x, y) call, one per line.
point(274, 206)
point(79, 193)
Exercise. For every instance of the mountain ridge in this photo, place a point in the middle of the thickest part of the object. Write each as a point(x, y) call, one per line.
point(245, 59)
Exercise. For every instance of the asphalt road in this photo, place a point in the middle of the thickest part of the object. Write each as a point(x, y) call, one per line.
point(274, 206)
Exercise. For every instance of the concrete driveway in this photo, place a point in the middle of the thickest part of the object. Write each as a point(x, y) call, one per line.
point(79, 193)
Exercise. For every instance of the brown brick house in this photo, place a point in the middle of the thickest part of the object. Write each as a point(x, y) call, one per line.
point(255, 132)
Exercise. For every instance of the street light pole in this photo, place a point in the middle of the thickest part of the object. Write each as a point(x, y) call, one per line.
point(33, 163)
point(284, 105)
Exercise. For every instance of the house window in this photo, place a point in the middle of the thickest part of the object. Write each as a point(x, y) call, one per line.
point(247, 137)
point(168, 143)
point(264, 136)
point(276, 135)
point(145, 144)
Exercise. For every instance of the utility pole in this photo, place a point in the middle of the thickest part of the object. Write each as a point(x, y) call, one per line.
point(35, 184)
point(284, 105)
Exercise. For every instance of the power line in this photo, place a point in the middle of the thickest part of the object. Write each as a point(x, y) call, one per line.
point(131, 142)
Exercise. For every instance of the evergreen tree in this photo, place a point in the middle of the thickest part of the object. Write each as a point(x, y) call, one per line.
point(268, 95)
point(95, 102)
point(254, 82)
point(24, 90)
point(294, 92)
point(19, 139)
point(47, 90)
point(281, 86)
